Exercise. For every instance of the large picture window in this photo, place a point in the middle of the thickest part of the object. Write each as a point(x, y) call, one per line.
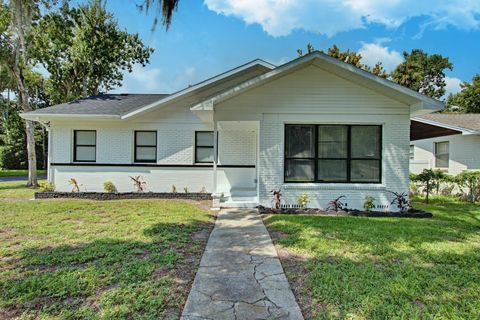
point(84, 145)
point(333, 153)
point(145, 146)
point(204, 146)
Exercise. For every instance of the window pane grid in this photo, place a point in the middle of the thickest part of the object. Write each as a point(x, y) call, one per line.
point(145, 146)
point(84, 145)
point(442, 154)
point(337, 164)
point(204, 147)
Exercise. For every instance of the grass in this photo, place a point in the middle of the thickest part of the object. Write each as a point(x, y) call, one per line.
point(78, 259)
point(384, 268)
point(19, 173)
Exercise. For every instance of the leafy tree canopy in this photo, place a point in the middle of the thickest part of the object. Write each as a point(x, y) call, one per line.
point(350, 57)
point(468, 99)
point(423, 73)
point(85, 51)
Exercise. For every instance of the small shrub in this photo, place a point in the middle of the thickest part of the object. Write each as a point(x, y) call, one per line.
point(414, 189)
point(185, 189)
point(46, 186)
point(303, 200)
point(138, 183)
point(277, 198)
point(369, 203)
point(174, 189)
point(203, 190)
point(74, 183)
point(427, 178)
point(336, 204)
point(447, 190)
point(108, 186)
point(471, 181)
point(401, 201)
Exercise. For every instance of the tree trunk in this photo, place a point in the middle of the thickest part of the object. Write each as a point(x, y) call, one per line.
point(32, 159)
point(29, 129)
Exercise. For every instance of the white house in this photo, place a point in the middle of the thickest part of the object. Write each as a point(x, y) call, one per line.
point(449, 142)
point(314, 125)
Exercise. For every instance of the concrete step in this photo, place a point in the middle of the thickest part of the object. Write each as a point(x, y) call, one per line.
point(239, 202)
point(241, 192)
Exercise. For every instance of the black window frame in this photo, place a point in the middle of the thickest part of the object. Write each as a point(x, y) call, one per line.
point(135, 159)
point(349, 157)
point(196, 146)
point(75, 145)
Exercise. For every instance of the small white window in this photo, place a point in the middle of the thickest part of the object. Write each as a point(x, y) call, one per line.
point(412, 152)
point(442, 154)
point(145, 146)
point(84, 145)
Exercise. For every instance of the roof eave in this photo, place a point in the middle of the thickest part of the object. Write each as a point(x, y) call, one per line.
point(49, 117)
point(464, 131)
point(188, 90)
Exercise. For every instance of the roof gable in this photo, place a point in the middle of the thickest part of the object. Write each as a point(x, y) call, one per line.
point(419, 103)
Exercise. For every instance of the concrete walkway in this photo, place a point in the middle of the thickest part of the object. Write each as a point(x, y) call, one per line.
point(240, 276)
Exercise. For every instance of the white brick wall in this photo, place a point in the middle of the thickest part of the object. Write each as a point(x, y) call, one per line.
point(237, 147)
point(175, 145)
point(114, 145)
point(394, 171)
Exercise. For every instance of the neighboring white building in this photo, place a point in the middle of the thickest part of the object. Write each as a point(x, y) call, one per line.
point(449, 142)
point(314, 125)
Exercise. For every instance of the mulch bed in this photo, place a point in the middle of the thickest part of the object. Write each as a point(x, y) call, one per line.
point(124, 195)
point(411, 213)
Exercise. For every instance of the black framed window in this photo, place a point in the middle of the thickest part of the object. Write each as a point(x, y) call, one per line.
point(145, 146)
point(204, 146)
point(84, 145)
point(333, 153)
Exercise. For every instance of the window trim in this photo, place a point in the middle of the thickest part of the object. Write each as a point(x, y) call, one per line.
point(135, 159)
point(349, 158)
point(75, 145)
point(203, 147)
point(435, 154)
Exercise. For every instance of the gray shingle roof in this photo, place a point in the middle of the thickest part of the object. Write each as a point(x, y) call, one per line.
point(469, 121)
point(104, 104)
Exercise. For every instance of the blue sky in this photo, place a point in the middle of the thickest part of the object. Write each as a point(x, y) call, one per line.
point(208, 37)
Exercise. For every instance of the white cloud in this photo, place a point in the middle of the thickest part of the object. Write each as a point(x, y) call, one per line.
point(149, 80)
point(328, 17)
point(453, 85)
point(375, 52)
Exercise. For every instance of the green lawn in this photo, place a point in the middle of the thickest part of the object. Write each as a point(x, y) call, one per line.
point(384, 268)
point(19, 173)
point(88, 259)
